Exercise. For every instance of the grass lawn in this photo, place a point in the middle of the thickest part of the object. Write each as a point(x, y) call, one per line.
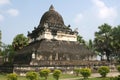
point(63, 76)
point(95, 79)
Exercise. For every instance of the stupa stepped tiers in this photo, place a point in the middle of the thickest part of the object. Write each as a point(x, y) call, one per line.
point(52, 44)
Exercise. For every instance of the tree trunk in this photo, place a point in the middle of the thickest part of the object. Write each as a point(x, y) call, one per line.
point(101, 57)
point(108, 55)
point(45, 78)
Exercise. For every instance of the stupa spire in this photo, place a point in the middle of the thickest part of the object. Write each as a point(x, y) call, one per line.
point(51, 8)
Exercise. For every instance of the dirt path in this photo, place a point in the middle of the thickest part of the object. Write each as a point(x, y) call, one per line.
point(112, 74)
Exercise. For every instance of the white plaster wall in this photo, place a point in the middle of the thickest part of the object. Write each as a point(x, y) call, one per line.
point(59, 36)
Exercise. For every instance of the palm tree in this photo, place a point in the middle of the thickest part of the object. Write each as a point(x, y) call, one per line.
point(19, 42)
point(102, 41)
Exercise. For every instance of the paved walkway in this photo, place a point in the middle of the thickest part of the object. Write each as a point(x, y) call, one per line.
point(111, 74)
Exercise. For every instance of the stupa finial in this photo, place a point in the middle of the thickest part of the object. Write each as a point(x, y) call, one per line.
point(51, 8)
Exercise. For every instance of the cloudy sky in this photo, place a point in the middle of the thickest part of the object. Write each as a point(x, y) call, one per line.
point(21, 16)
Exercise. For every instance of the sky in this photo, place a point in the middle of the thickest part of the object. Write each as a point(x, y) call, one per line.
point(21, 16)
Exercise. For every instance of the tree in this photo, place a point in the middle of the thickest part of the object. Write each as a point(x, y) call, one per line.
point(19, 42)
point(77, 71)
point(102, 41)
point(12, 76)
point(90, 45)
point(80, 39)
point(116, 42)
point(103, 70)
point(0, 41)
point(8, 53)
point(56, 74)
point(32, 75)
point(85, 72)
point(44, 73)
point(118, 68)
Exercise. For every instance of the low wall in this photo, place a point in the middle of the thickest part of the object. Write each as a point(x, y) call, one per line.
point(6, 69)
point(22, 69)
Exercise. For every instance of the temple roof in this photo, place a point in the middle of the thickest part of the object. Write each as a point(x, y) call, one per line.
point(51, 17)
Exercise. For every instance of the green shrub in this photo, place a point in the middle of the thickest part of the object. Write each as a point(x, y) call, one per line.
point(103, 70)
point(112, 78)
point(85, 72)
point(44, 73)
point(56, 74)
point(77, 71)
point(12, 76)
point(32, 75)
point(118, 68)
point(118, 78)
point(115, 78)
